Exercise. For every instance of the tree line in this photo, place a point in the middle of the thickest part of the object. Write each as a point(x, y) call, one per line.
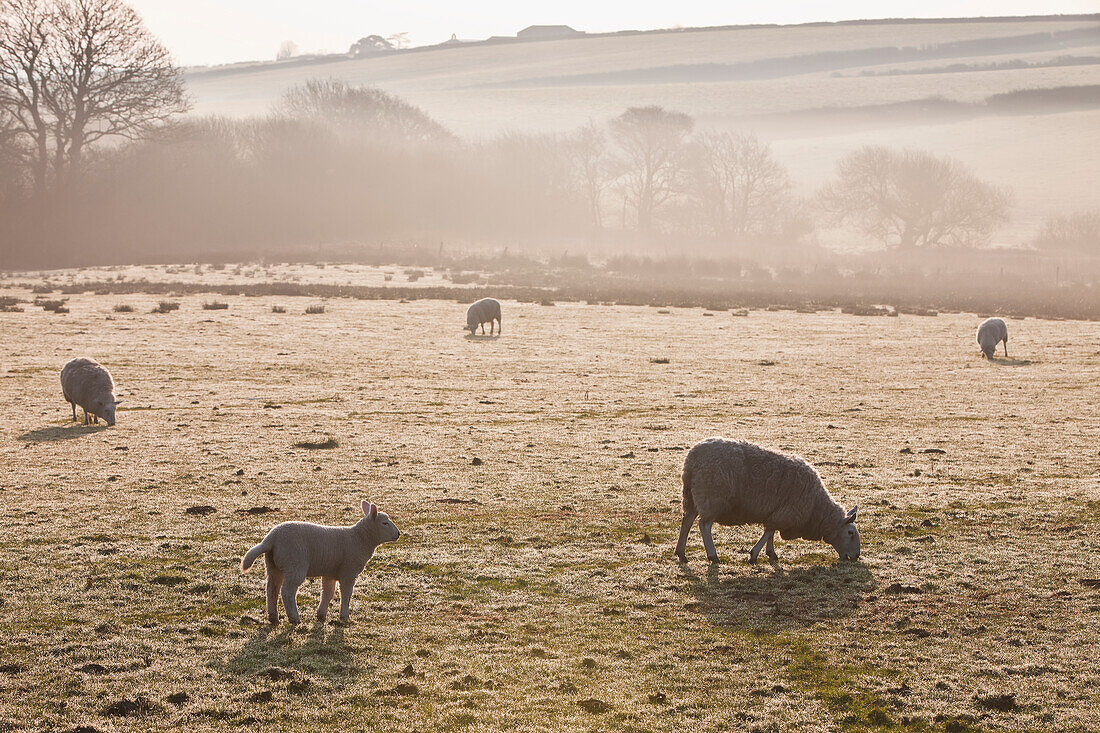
point(98, 163)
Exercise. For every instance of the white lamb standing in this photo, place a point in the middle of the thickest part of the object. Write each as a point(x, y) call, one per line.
point(294, 551)
point(486, 310)
point(992, 332)
point(733, 482)
point(87, 383)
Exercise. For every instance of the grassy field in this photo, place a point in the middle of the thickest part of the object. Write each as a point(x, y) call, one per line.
point(535, 588)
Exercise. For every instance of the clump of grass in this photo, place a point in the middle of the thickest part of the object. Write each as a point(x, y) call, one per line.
point(9, 304)
point(314, 309)
point(660, 360)
point(864, 310)
point(123, 308)
point(166, 306)
point(327, 444)
point(215, 306)
point(42, 289)
point(57, 306)
point(278, 309)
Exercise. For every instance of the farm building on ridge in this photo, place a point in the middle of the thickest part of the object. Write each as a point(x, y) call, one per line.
point(545, 32)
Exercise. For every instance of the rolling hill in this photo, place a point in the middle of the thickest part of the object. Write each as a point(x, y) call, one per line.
point(815, 91)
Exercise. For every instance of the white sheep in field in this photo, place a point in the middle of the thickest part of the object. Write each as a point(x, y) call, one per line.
point(294, 551)
point(87, 383)
point(992, 332)
point(486, 310)
point(733, 482)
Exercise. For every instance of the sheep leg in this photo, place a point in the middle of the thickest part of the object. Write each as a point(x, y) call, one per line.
point(274, 581)
point(500, 327)
point(771, 546)
point(347, 586)
point(765, 539)
point(73, 405)
point(708, 541)
point(1006, 348)
point(328, 589)
point(685, 529)
point(290, 596)
point(86, 420)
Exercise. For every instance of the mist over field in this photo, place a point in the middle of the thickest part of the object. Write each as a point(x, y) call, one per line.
point(466, 315)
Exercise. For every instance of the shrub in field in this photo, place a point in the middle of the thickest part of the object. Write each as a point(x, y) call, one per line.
point(57, 306)
point(314, 309)
point(278, 309)
point(215, 306)
point(123, 308)
point(166, 306)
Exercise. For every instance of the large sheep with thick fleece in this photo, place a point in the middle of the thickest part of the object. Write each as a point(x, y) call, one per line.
point(486, 310)
point(992, 332)
point(87, 383)
point(294, 551)
point(733, 482)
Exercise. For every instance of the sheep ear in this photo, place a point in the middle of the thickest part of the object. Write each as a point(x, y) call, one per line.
point(366, 508)
point(851, 515)
point(374, 511)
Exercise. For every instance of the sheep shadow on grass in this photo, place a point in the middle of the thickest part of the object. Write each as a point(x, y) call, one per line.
point(481, 337)
point(60, 432)
point(279, 654)
point(1005, 361)
point(776, 599)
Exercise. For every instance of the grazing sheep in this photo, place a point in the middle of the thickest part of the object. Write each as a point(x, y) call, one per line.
point(733, 482)
point(486, 310)
point(295, 551)
point(990, 333)
point(87, 383)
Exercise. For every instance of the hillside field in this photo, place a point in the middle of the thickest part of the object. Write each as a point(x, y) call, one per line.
point(535, 589)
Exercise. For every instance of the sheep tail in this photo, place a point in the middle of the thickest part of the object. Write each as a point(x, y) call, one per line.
point(255, 552)
point(689, 502)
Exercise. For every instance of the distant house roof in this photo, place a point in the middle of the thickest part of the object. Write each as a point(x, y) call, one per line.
point(548, 31)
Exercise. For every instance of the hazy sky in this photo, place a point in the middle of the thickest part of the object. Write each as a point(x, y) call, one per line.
point(220, 31)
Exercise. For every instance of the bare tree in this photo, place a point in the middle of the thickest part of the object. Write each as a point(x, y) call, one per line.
point(743, 187)
point(592, 167)
point(913, 199)
point(25, 34)
point(1078, 232)
point(73, 72)
point(356, 109)
point(287, 50)
point(399, 40)
point(652, 143)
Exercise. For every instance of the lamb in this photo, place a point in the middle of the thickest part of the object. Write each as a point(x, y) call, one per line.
point(87, 383)
point(733, 482)
point(990, 333)
point(294, 551)
point(486, 310)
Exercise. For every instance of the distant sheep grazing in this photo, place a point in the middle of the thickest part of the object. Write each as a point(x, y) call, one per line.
point(486, 310)
point(733, 482)
point(990, 333)
point(87, 383)
point(294, 551)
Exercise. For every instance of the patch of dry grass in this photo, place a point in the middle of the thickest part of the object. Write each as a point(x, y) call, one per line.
point(535, 588)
